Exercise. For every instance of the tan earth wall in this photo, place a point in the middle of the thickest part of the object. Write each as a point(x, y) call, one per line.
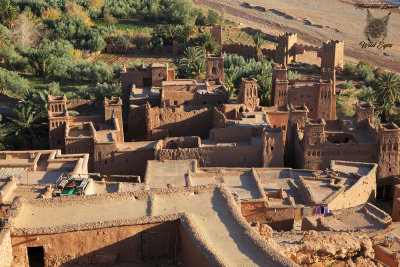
point(277, 218)
point(6, 256)
point(129, 244)
point(109, 160)
point(387, 259)
point(396, 203)
point(319, 157)
point(361, 192)
point(180, 121)
point(221, 156)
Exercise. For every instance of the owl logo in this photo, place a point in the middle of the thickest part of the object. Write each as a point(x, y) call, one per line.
point(377, 28)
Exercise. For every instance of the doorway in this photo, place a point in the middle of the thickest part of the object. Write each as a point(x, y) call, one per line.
point(36, 256)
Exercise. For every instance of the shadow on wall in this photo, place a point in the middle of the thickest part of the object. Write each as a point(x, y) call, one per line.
point(197, 125)
point(166, 244)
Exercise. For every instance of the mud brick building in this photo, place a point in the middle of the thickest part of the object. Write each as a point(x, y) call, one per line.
point(316, 142)
point(319, 96)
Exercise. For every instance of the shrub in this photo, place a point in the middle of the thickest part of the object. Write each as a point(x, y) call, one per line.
point(109, 19)
point(365, 73)
point(12, 84)
point(213, 17)
point(366, 94)
point(350, 68)
point(347, 85)
point(293, 75)
point(12, 59)
point(369, 64)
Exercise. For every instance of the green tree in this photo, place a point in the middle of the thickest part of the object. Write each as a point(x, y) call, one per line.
point(206, 42)
point(259, 43)
point(213, 17)
point(12, 84)
point(8, 12)
point(179, 12)
point(4, 36)
point(387, 93)
point(192, 65)
point(366, 94)
point(27, 124)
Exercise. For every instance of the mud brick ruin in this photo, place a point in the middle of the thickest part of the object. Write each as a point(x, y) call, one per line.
point(177, 173)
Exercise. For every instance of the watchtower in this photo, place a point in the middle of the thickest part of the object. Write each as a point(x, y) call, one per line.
point(272, 147)
point(248, 93)
point(389, 139)
point(215, 68)
point(314, 132)
point(58, 121)
point(297, 120)
point(280, 86)
point(285, 51)
point(332, 54)
point(365, 113)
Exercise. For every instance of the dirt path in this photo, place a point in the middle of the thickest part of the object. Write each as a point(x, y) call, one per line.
point(315, 22)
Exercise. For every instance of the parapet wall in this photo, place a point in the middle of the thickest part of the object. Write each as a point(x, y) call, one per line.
point(180, 121)
point(6, 255)
point(216, 156)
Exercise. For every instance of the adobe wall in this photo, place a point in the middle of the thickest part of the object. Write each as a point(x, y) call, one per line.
point(273, 148)
point(396, 203)
point(385, 257)
point(137, 123)
point(240, 49)
point(180, 121)
point(106, 245)
point(219, 118)
point(232, 134)
point(216, 156)
point(6, 255)
point(280, 218)
point(363, 191)
point(308, 96)
point(319, 157)
point(108, 159)
point(389, 153)
point(128, 79)
point(188, 252)
point(279, 119)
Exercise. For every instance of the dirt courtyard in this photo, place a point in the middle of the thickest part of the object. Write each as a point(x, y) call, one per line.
point(315, 22)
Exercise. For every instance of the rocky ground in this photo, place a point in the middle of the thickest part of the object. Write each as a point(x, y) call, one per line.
point(315, 22)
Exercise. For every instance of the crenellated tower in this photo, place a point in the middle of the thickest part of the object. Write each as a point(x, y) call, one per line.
point(58, 121)
point(248, 93)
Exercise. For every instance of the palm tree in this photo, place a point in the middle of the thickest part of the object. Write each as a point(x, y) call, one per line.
point(8, 13)
point(27, 124)
point(264, 78)
point(387, 93)
point(193, 63)
point(231, 75)
point(259, 42)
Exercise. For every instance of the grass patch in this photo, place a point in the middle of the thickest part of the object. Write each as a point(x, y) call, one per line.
point(126, 24)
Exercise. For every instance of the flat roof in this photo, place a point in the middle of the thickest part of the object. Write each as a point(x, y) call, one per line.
point(214, 220)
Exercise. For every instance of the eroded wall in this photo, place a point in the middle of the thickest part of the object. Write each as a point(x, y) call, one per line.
point(124, 244)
